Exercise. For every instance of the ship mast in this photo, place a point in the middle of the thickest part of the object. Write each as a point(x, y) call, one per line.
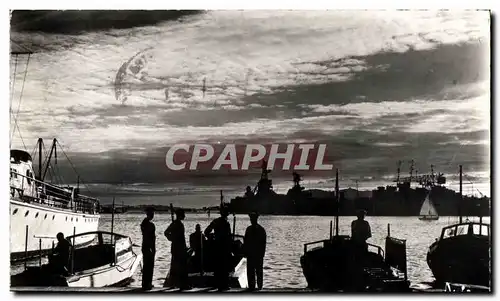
point(337, 196)
point(20, 50)
point(411, 170)
point(399, 172)
point(460, 199)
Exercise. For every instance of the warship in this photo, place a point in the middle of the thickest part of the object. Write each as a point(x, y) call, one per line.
point(400, 199)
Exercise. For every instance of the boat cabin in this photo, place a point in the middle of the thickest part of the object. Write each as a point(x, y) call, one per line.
point(24, 186)
point(107, 249)
point(22, 177)
point(468, 228)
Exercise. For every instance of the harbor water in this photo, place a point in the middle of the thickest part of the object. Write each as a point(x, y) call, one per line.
point(286, 236)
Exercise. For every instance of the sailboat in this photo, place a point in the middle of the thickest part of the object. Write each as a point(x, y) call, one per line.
point(462, 252)
point(428, 212)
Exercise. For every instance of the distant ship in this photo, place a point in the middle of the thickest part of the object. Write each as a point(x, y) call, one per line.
point(297, 201)
point(392, 200)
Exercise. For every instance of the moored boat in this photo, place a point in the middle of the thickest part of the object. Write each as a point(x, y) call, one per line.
point(201, 267)
point(39, 208)
point(109, 261)
point(461, 254)
point(333, 265)
point(202, 275)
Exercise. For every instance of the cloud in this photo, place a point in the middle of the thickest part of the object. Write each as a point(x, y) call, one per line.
point(386, 84)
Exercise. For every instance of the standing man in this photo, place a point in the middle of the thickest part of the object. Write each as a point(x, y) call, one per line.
point(178, 266)
point(148, 230)
point(255, 249)
point(222, 248)
point(197, 243)
point(360, 230)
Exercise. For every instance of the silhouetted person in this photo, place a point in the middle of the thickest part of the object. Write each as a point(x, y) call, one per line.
point(249, 193)
point(197, 242)
point(61, 254)
point(221, 248)
point(178, 266)
point(148, 230)
point(255, 249)
point(360, 230)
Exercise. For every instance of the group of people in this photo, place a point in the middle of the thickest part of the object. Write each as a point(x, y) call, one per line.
point(217, 241)
point(221, 248)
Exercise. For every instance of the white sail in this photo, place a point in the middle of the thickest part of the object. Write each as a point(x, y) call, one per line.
point(428, 208)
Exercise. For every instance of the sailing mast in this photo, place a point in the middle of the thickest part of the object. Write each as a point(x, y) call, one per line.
point(337, 196)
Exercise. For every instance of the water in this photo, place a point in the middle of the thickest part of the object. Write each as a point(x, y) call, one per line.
point(286, 236)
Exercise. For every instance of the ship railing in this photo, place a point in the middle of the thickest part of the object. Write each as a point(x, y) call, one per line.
point(378, 249)
point(324, 242)
point(52, 195)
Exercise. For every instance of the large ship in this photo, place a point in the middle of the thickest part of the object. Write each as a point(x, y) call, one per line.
point(39, 209)
point(401, 199)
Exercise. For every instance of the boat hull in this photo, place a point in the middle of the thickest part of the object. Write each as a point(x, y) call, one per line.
point(334, 267)
point(39, 224)
point(237, 278)
point(117, 274)
point(429, 218)
point(112, 275)
point(460, 259)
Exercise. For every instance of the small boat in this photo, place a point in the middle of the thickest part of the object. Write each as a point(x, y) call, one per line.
point(201, 272)
point(428, 211)
point(203, 275)
point(332, 266)
point(108, 261)
point(450, 287)
point(462, 252)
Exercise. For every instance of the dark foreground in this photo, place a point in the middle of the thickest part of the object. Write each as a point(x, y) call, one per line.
point(158, 290)
point(131, 290)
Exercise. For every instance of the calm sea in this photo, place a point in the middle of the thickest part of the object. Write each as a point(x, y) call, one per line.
point(286, 237)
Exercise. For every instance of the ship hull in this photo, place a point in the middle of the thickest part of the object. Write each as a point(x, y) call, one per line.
point(461, 259)
point(39, 224)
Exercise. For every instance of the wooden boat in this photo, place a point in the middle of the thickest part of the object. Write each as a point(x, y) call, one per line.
point(428, 211)
point(332, 266)
point(108, 261)
point(461, 254)
point(202, 275)
point(201, 272)
point(450, 287)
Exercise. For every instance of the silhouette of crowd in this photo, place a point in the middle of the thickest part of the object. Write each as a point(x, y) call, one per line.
point(212, 256)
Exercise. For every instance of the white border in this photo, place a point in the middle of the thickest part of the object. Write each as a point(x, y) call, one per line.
point(190, 4)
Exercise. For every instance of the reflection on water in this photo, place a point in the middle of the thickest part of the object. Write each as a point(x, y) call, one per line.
point(286, 237)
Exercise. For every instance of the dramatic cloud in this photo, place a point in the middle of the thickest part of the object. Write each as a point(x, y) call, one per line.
point(376, 86)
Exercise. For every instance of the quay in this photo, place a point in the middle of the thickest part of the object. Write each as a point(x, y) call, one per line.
point(138, 290)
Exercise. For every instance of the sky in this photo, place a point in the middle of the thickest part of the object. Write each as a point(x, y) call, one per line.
point(375, 86)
